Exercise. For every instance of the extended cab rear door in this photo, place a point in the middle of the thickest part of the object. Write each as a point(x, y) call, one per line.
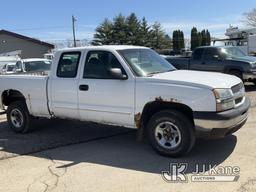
point(63, 85)
point(196, 62)
point(103, 98)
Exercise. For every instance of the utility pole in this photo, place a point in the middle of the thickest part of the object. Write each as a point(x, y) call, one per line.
point(74, 31)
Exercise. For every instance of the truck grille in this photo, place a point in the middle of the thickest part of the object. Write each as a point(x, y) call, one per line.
point(237, 88)
point(239, 93)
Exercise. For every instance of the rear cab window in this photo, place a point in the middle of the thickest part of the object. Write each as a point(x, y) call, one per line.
point(68, 64)
point(212, 54)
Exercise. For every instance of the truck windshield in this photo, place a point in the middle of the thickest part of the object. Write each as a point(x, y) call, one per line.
point(37, 66)
point(233, 52)
point(145, 62)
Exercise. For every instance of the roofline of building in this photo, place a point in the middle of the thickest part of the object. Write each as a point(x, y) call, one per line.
point(26, 38)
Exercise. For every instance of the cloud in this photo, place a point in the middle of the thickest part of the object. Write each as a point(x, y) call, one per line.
point(217, 26)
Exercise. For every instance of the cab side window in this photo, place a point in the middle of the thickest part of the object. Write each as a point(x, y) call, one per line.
point(99, 63)
point(212, 54)
point(68, 65)
point(198, 53)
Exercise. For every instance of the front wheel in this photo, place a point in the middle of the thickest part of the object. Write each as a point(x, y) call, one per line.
point(18, 117)
point(171, 133)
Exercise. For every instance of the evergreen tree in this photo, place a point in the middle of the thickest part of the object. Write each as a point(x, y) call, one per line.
point(175, 41)
point(103, 35)
point(178, 40)
point(130, 30)
point(158, 36)
point(199, 39)
point(120, 30)
point(208, 38)
point(144, 33)
point(167, 42)
point(194, 38)
point(133, 25)
point(204, 38)
point(182, 40)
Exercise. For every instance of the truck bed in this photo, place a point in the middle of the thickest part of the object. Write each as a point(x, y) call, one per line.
point(179, 62)
point(34, 89)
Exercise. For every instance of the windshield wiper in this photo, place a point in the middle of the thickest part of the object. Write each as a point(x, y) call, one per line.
point(157, 72)
point(153, 73)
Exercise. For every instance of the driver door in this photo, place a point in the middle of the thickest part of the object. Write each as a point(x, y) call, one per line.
point(103, 98)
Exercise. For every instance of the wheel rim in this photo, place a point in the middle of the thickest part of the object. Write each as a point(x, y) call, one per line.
point(16, 118)
point(168, 135)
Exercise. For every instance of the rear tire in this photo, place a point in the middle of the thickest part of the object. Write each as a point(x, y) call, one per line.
point(171, 133)
point(18, 117)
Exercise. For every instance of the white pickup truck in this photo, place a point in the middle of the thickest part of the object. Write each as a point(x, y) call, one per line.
point(133, 87)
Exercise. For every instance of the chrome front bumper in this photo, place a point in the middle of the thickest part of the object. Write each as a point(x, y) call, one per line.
point(208, 123)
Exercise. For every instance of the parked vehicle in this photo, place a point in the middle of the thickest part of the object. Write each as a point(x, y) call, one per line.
point(32, 65)
point(49, 56)
point(133, 87)
point(7, 59)
point(8, 68)
point(230, 60)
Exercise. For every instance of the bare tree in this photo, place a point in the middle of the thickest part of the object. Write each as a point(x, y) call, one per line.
point(250, 17)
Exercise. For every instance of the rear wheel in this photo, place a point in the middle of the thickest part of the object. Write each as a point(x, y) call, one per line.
point(171, 133)
point(18, 117)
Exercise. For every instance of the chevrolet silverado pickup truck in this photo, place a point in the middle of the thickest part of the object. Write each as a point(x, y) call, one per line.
point(230, 60)
point(128, 86)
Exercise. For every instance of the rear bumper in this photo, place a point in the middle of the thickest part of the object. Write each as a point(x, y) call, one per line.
point(217, 125)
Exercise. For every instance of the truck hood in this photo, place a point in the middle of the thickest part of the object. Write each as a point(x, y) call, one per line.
point(199, 79)
point(248, 59)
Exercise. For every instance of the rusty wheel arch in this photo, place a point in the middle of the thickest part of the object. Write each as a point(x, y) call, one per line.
point(141, 119)
point(11, 95)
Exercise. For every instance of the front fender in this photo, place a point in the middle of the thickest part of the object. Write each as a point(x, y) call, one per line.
point(196, 98)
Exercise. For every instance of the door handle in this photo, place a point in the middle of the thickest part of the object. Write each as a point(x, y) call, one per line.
point(83, 87)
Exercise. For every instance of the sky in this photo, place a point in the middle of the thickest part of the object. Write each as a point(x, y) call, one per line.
point(50, 20)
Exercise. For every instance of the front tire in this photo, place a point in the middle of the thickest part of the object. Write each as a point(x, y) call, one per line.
point(18, 117)
point(171, 133)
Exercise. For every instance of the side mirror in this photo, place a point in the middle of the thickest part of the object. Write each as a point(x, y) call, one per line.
point(217, 57)
point(116, 73)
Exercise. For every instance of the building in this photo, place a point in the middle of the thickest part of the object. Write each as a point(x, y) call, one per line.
point(29, 47)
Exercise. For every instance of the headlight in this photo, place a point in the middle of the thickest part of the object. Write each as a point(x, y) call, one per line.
point(224, 99)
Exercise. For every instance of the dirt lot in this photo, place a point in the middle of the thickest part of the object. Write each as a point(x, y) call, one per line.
point(73, 156)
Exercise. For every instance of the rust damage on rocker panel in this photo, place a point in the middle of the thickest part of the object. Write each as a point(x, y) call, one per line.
point(137, 119)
